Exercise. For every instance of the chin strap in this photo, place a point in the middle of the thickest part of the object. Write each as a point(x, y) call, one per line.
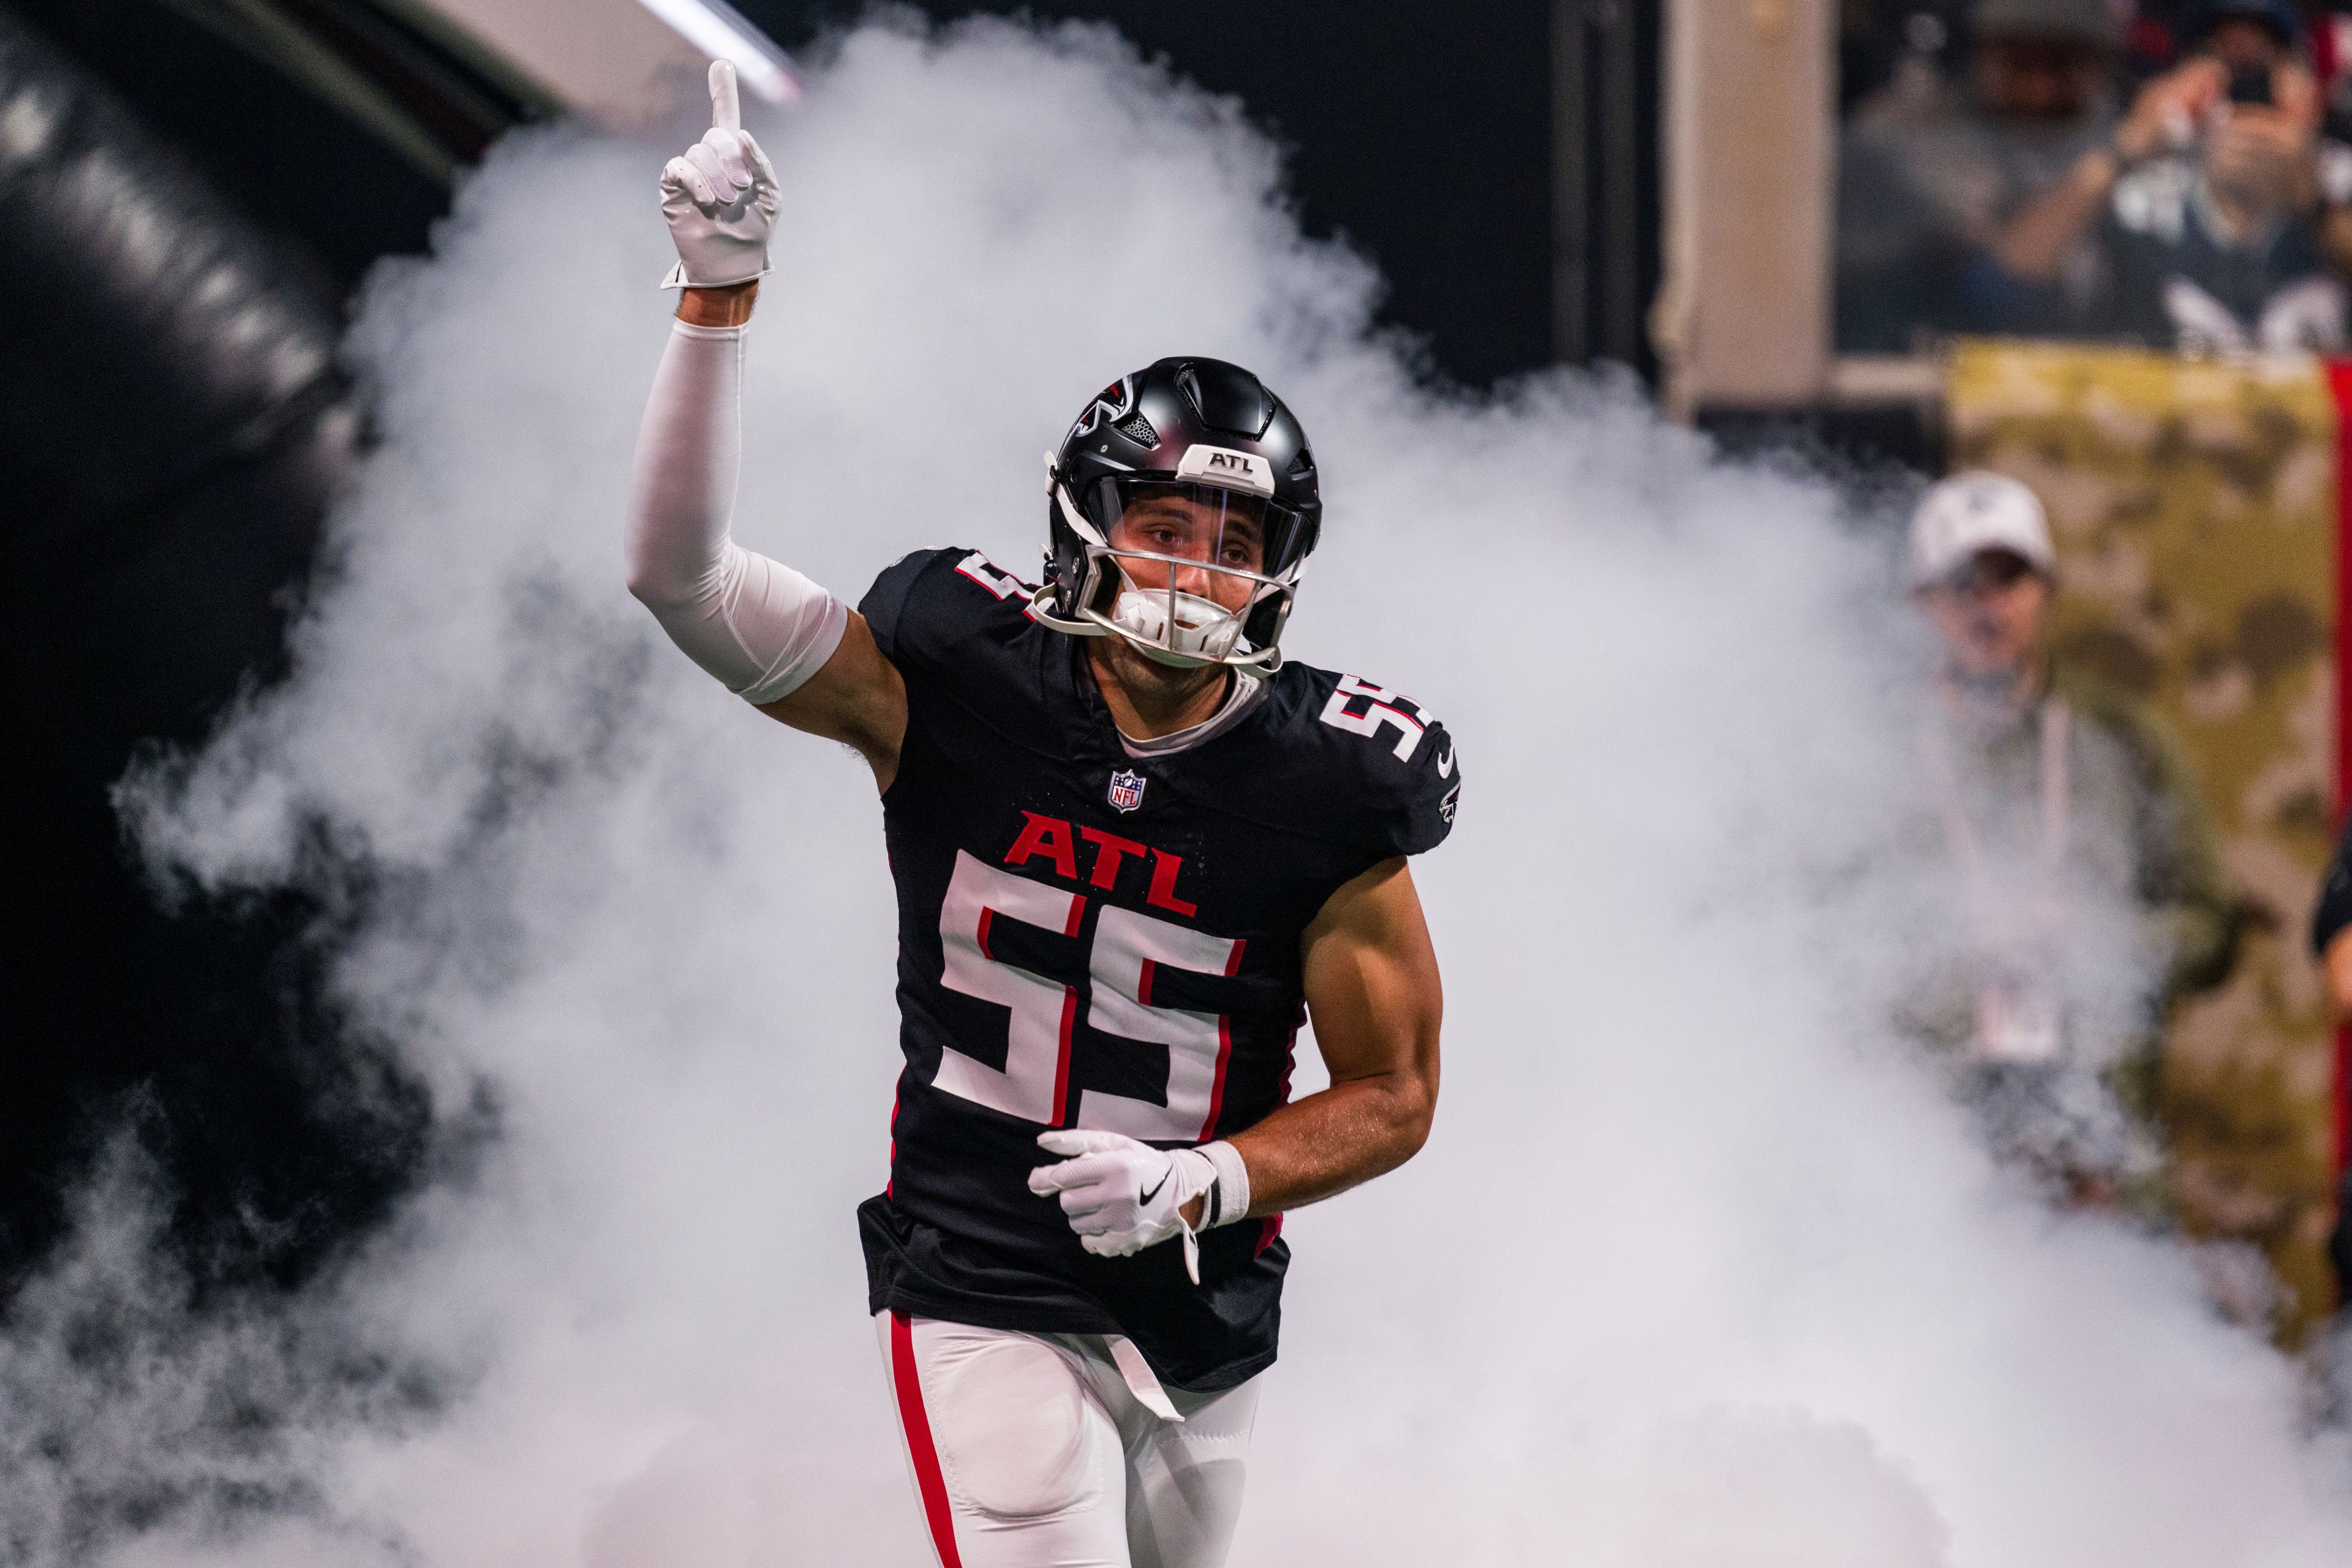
point(1095, 624)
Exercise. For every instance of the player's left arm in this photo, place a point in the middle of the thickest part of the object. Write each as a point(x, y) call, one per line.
point(1373, 994)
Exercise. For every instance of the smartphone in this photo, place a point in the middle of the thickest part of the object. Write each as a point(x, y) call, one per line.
point(2251, 84)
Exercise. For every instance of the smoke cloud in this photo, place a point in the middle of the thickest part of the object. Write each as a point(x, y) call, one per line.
point(1702, 1269)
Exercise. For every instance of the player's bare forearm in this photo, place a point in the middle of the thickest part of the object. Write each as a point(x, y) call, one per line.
point(859, 699)
point(1373, 992)
point(1337, 1138)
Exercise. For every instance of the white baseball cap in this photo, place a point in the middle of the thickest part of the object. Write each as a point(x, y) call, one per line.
point(1961, 518)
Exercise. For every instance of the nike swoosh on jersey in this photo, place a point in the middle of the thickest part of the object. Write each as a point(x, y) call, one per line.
point(1445, 765)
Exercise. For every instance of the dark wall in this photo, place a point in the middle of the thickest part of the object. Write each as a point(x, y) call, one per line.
point(1608, 188)
point(1424, 134)
point(172, 429)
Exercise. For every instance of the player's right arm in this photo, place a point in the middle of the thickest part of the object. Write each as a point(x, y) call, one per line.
point(775, 638)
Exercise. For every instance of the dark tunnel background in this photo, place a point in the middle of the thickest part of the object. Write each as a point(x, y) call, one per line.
point(186, 207)
point(173, 428)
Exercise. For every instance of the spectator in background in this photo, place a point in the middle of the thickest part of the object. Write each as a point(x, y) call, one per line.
point(2072, 823)
point(1933, 176)
point(2219, 211)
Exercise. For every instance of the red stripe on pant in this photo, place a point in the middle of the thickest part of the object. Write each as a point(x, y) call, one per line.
point(928, 1479)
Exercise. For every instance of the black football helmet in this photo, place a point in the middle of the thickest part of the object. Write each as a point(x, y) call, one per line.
point(1182, 508)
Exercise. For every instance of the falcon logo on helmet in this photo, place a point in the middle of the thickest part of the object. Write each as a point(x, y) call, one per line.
point(1110, 405)
point(1182, 508)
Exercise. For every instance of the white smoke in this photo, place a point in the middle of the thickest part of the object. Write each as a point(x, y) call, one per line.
point(1700, 1269)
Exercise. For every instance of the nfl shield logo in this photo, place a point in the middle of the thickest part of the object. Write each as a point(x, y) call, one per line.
point(1126, 791)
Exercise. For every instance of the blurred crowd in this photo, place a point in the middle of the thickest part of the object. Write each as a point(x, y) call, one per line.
point(2173, 175)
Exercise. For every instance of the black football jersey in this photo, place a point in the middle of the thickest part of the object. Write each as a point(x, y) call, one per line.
point(1088, 938)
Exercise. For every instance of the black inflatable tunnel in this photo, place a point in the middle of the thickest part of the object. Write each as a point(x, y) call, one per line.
point(177, 241)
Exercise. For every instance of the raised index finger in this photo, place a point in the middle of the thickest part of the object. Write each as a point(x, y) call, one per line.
point(726, 108)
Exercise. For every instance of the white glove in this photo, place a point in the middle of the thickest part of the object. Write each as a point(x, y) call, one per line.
point(1123, 1196)
point(720, 197)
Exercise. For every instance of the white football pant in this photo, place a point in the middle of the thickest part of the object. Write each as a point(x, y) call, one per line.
point(1058, 1450)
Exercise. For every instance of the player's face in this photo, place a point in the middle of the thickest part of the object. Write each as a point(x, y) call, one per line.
point(1194, 524)
point(1990, 613)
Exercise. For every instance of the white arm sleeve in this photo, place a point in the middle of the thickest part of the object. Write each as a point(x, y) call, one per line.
point(759, 627)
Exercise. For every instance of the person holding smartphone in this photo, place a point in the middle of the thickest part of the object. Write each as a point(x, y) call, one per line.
point(2225, 217)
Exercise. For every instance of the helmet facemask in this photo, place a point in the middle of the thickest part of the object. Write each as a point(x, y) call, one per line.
point(1187, 573)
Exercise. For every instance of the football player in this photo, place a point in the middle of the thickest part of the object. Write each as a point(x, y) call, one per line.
point(1134, 851)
